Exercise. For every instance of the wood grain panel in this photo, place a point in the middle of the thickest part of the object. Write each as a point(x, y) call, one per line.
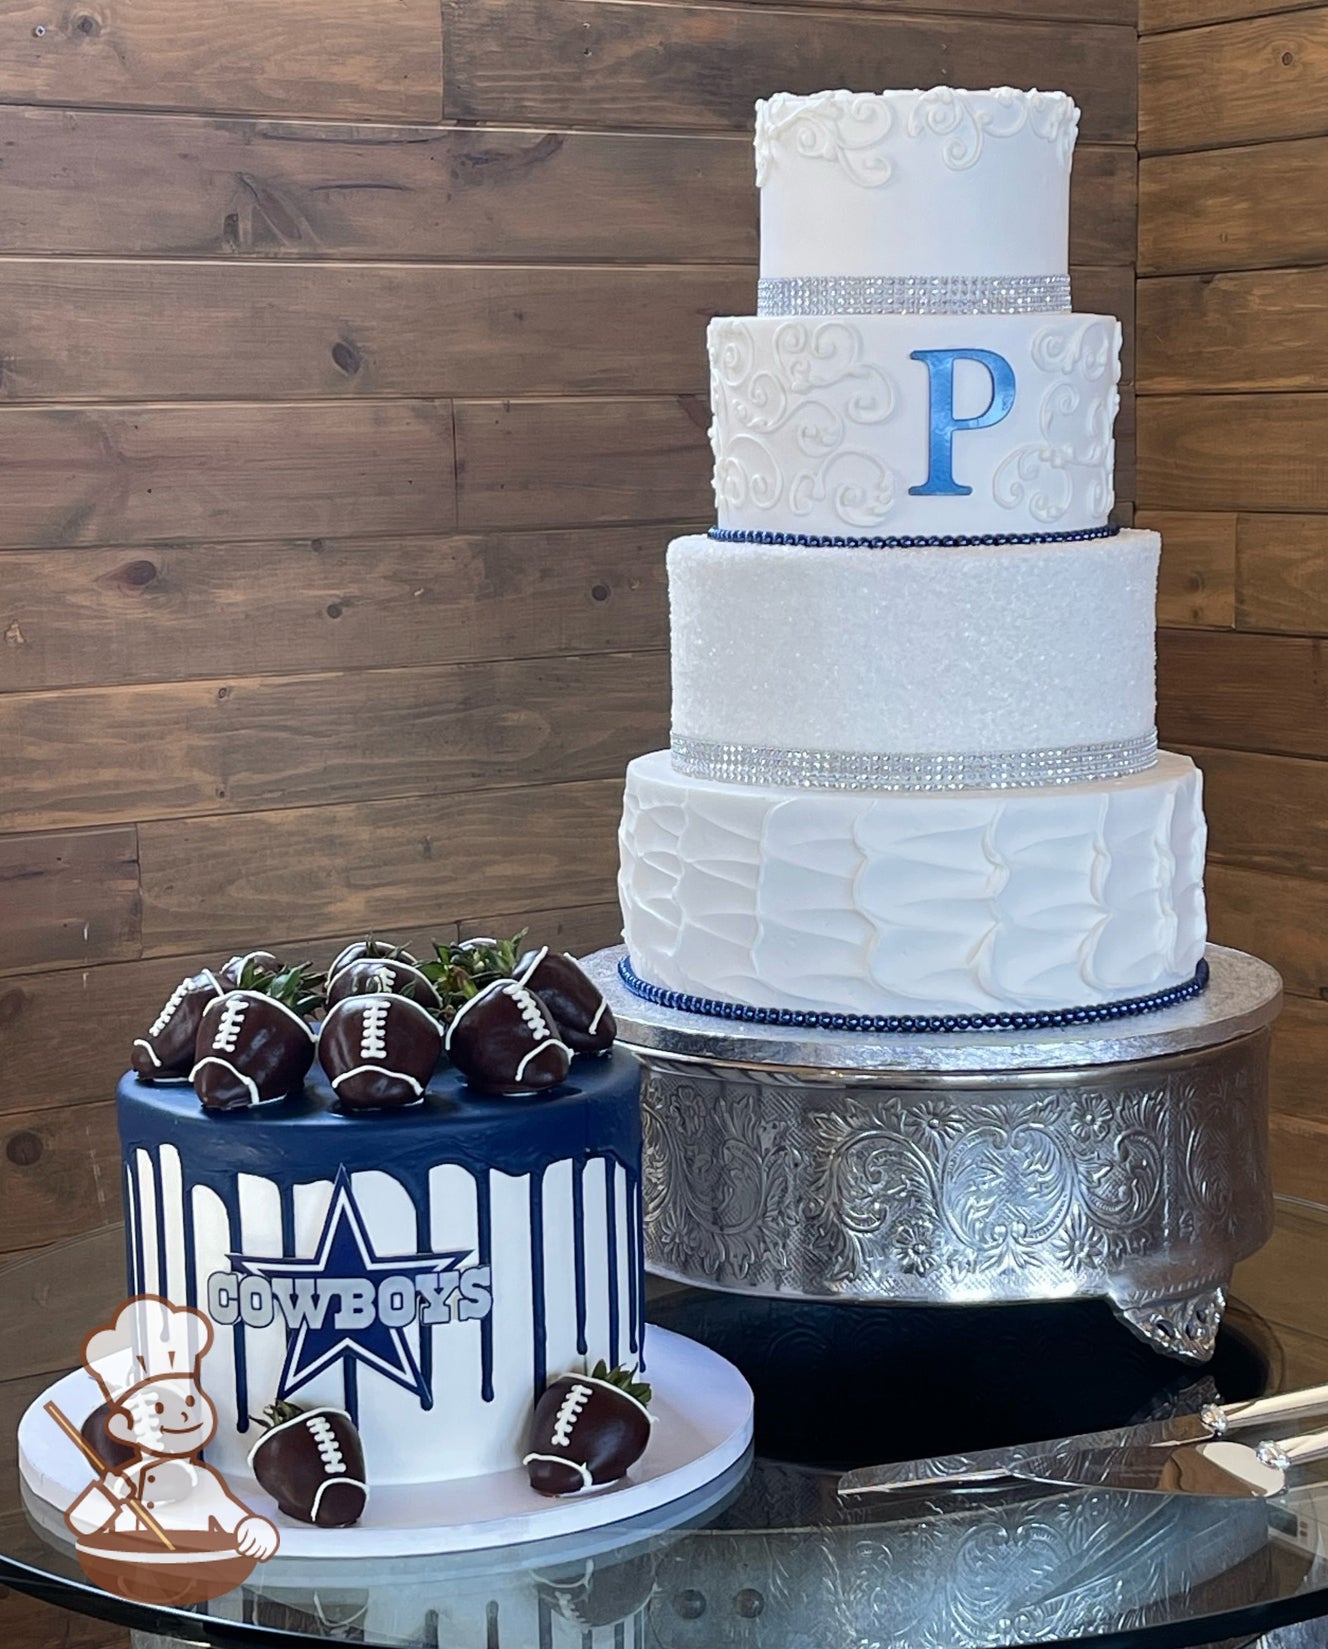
point(1266, 812)
point(184, 186)
point(582, 930)
point(546, 463)
point(1197, 578)
point(1298, 1159)
point(305, 741)
point(1057, 11)
point(59, 1172)
point(1247, 331)
point(87, 617)
point(1233, 452)
point(143, 474)
point(217, 881)
point(1233, 208)
point(1281, 561)
point(1284, 919)
point(292, 331)
point(1300, 1058)
point(600, 63)
point(1244, 691)
point(1241, 82)
point(69, 898)
point(349, 58)
point(1158, 15)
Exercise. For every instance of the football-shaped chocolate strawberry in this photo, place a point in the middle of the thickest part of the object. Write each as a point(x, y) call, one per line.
point(231, 973)
point(378, 1050)
point(250, 1048)
point(584, 1019)
point(504, 1041)
point(383, 973)
point(168, 1047)
point(370, 947)
point(311, 1462)
point(109, 1450)
point(587, 1429)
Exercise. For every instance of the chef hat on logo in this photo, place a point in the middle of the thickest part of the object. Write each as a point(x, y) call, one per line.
point(150, 1339)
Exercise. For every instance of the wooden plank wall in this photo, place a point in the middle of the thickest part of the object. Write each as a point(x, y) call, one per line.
point(352, 380)
point(1232, 430)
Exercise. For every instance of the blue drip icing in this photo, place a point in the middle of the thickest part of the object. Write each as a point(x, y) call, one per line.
point(587, 1640)
point(134, 1245)
point(350, 1376)
point(287, 1198)
point(290, 1142)
point(484, 1254)
point(229, 1192)
point(639, 1629)
point(159, 1204)
point(611, 1220)
point(619, 1635)
point(423, 1245)
point(545, 1623)
point(187, 1226)
point(538, 1303)
point(579, 1252)
point(632, 1301)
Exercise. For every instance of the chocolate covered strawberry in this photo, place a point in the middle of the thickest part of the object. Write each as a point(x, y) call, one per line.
point(461, 971)
point(109, 1450)
point(585, 1021)
point(368, 947)
point(311, 1461)
point(505, 1041)
point(249, 970)
point(383, 973)
point(587, 1430)
point(251, 1047)
point(378, 1050)
point(167, 1047)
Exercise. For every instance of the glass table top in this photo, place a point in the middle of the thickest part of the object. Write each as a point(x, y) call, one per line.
point(768, 1558)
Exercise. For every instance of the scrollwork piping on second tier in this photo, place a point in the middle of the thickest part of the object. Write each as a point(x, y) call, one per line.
point(782, 399)
point(966, 120)
point(846, 127)
point(1074, 460)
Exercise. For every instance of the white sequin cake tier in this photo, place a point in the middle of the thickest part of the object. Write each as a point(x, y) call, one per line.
point(1000, 649)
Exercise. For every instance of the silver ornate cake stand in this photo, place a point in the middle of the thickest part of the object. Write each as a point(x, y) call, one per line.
point(1126, 1162)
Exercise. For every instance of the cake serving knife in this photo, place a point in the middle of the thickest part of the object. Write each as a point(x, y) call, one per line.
point(1021, 1460)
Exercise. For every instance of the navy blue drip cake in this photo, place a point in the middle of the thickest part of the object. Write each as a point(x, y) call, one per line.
point(426, 1269)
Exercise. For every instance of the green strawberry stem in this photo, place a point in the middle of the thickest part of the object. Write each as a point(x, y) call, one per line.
point(460, 971)
point(623, 1379)
point(277, 1414)
point(298, 987)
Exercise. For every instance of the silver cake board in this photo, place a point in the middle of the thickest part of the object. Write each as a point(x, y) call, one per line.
point(1127, 1161)
point(703, 1425)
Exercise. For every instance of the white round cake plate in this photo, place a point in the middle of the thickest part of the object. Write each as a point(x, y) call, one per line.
point(703, 1425)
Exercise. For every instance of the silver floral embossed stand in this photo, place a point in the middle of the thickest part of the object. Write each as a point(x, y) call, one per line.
point(1127, 1161)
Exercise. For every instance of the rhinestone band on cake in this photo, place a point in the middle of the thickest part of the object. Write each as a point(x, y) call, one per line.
point(908, 1024)
point(913, 295)
point(923, 770)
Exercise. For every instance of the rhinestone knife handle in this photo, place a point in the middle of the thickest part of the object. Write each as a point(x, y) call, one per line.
point(1287, 1452)
point(1283, 1405)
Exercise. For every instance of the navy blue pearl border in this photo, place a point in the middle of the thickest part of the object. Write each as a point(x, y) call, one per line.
point(956, 541)
point(914, 1024)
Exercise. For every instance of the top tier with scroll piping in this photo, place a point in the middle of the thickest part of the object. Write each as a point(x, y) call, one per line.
point(939, 182)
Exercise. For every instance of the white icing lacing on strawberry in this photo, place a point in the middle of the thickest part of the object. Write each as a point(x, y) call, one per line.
point(531, 1011)
point(373, 1031)
point(320, 1429)
point(163, 1019)
point(233, 1010)
point(569, 1412)
point(380, 977)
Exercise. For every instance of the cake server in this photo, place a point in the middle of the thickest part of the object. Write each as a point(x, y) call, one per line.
point(1219, 1466)
point(1019, 1459)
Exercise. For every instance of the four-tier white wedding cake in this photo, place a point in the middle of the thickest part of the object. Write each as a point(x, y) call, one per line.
point(913, 769)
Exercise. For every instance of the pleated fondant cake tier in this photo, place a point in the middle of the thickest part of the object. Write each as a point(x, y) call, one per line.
point(914, 766)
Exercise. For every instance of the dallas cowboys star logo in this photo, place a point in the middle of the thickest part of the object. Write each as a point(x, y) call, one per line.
point(344, 1253)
